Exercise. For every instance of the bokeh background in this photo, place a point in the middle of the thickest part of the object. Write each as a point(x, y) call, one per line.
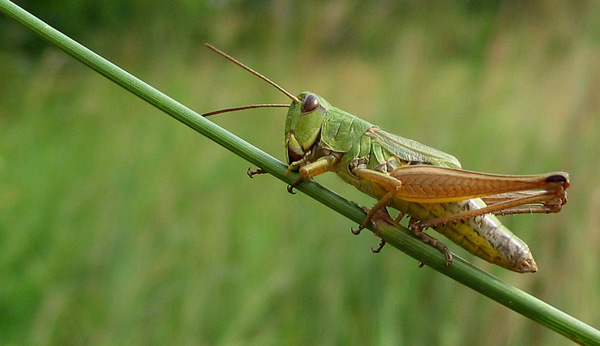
point(119, 225)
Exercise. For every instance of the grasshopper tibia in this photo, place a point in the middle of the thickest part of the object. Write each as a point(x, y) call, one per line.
point(381, 204)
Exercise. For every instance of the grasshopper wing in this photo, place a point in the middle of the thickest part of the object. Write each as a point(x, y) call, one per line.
point(412, 151)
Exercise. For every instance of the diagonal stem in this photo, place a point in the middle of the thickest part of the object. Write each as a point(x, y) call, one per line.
point(398, 237)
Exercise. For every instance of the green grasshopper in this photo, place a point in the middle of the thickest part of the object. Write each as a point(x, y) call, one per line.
point(419, 181)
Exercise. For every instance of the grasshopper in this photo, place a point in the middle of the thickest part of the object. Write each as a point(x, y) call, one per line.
point(424, 183)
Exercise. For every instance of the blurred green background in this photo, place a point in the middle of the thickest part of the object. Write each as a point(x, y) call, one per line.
point(119, 225)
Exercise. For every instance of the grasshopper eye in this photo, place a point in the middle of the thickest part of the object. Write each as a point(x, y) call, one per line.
point(310, 103)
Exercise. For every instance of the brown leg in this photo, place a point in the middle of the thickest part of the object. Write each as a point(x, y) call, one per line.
point(541, 202)
point(380, 216)
point(382, 203)
point(251, 173)
point(427, 239)
point(386, 183)
point(381, 245)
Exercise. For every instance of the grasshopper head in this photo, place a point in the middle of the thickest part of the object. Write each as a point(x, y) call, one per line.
point(303, 124)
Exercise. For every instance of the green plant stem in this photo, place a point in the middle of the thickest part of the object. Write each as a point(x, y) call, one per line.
point(398, 237)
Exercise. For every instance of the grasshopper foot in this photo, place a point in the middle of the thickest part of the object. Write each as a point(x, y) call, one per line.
point(378, 218)
point(358, 230)
point(373, 214)
point(296, 182)
point(251, 173)
point(381, 245)
point(365, 222)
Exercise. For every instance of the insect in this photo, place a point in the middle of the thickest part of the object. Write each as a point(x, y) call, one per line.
point(424, 183)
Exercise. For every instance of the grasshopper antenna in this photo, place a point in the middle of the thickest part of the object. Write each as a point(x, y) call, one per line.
point(245, 107)
point(294, 98)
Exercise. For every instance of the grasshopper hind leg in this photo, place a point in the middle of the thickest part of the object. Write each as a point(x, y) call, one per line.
point(379, 212)
point(427, 239)
point(381, 218)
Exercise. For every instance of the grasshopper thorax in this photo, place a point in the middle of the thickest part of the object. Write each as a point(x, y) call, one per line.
point(303, 125)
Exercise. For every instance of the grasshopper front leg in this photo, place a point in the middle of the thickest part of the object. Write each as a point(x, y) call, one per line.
point(313, 163)
point(309, 167)
point(252, 172)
